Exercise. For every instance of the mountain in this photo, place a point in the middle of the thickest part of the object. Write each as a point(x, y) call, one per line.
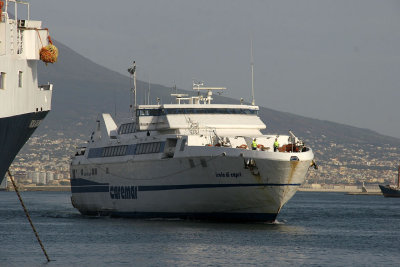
point(83, 89)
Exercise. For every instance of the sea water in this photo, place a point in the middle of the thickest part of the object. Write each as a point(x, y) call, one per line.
point(313, 229)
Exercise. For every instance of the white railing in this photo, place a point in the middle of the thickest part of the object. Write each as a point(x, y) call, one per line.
point(16, 3)
point(20, 36)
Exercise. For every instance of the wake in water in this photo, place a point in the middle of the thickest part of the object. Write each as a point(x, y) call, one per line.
point(276, 222)
point(164, 219)
point(61, 215)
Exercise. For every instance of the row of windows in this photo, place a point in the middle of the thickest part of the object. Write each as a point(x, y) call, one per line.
point(93, 171)
point(209, 111)
point(126, 128)
point(114, 151)
point(149, 112)
point(166, 111)
point(147, 148)
point(3, 80)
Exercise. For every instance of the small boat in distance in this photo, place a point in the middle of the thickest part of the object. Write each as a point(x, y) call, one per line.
point(392, 190)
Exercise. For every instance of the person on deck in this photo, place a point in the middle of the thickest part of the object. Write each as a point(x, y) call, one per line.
point(276, 145)
point(254, 144)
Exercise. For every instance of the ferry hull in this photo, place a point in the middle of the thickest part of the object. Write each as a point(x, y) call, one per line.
point(215, 188)
point(14, 132)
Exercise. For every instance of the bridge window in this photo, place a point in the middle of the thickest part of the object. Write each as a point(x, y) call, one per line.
point(148, 112)
point(113, 151)
point(163, 112)
point(123, 150)
point(208, 111)
point(126, 128)
point(148, 148)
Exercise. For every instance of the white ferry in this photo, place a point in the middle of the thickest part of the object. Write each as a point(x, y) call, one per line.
point(23, 103)
point(192, 159)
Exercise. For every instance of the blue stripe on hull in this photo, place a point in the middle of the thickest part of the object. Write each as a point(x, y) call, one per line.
point(218, 216)
point(194, 186)
point(90, 189)
point(14, 132)
point(79, 185)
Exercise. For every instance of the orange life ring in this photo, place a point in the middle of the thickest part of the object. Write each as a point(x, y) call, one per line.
point(242, 146)
point(260, 146)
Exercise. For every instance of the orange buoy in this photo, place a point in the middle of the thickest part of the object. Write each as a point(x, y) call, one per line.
point(242, 146)
point(49, 53)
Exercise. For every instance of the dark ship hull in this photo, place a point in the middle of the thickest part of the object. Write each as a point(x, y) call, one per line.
point(390, 191)
point(14, 132)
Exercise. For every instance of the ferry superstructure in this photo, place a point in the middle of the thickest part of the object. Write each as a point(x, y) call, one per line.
point(23, 103)
point(192, 159)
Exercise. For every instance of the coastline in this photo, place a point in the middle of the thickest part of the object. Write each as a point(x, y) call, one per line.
point(43, 188)
point(334, 190)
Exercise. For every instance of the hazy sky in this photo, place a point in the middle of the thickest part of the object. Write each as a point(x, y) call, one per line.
point(331, 60)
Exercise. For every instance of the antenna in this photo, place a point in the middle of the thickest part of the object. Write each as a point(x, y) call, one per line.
point(134, 84)
point(145, 97)
point(252, 71)
point(115, 104)
point(196, 86)
point(174, 91)
point(200, 86)
point(148, 93)
point(132, 72)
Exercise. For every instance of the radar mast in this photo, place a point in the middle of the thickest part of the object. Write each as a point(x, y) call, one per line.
point(252, 72)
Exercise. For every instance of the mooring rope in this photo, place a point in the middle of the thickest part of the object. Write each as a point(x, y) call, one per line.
point(27, 215)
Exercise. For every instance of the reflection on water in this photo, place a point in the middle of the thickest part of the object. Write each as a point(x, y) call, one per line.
point(312, 229)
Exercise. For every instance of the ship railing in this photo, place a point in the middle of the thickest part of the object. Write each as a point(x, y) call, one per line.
point(20, 47)
point(3, 16)
point(16, 3)
point(46, 87)
point(293, 148)
point(80, 151)
point(216, 140)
